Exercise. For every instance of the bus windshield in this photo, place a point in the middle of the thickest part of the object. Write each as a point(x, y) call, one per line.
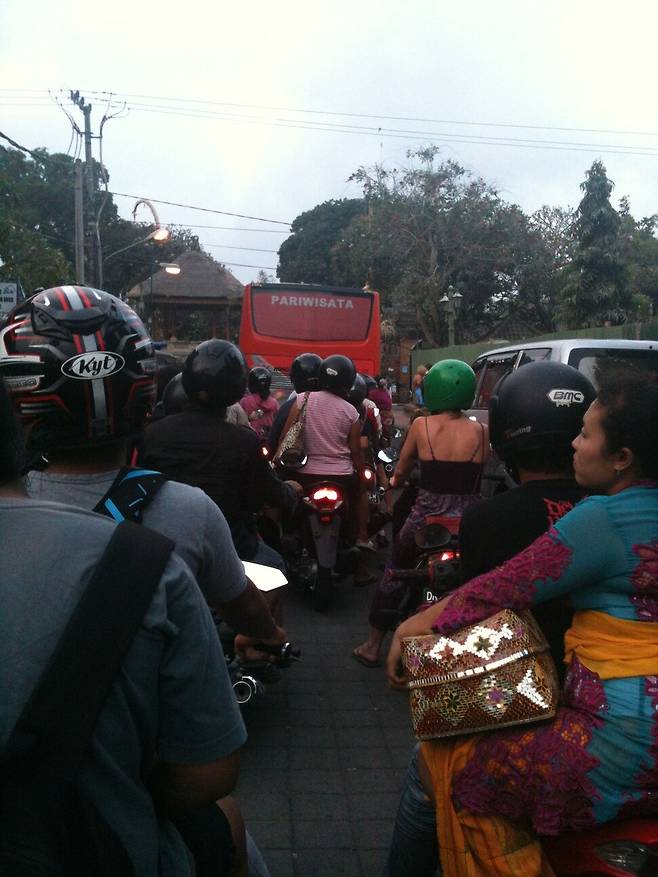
point(280, 321)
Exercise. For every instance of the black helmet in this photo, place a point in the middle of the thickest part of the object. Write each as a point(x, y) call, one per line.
point(371, 383)
point(337, 374)
point(217, 369)
point(174, 397)
point(259, 381)
point(538, 407)
point(305, 372)
point(358, 392)
point(79, 365)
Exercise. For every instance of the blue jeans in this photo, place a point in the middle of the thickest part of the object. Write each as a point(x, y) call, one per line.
point(414, 850)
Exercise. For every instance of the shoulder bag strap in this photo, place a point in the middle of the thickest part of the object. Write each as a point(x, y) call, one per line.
point(63, 709)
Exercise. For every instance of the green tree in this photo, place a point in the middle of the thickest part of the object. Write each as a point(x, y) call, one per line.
point(28, 257)
point(37, 225)
point(540, 274)
point(596, 288)
point(429, 225)
point(305, 257)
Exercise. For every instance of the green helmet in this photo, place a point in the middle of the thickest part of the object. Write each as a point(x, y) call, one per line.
point(449, 384)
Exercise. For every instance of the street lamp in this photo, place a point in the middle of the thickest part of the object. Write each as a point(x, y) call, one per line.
point(160, 235)
point(450, 305)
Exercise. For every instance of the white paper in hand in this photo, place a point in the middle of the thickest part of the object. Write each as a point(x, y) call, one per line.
point(266, 578)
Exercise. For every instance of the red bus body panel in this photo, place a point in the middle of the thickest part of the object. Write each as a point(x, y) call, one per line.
point(281, 320)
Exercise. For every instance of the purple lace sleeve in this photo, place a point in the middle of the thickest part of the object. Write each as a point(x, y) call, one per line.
point(510, 586)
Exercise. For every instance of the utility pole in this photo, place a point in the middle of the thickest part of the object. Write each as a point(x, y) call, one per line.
point(79, 226)
point(90, 188)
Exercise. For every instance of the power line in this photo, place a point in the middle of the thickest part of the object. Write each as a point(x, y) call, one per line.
point(352, 115)
point(379, 116)
point(405, 134)
point(230, 247)
point(224, 227)
point(202, 209)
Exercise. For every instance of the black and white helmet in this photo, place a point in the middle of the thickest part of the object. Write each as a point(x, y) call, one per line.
point(79, 366)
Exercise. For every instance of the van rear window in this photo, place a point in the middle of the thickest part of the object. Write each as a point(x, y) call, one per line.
point(585, 359)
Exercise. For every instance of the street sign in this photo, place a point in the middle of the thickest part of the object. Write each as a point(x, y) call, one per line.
point(10, 294)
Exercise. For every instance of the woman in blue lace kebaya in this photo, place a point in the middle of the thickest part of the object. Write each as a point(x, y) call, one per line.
point(598, 759)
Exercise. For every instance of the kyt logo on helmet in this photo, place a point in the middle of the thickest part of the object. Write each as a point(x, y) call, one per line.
point(92, 366)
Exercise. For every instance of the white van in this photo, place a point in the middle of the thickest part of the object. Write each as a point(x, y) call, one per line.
point(582, 353)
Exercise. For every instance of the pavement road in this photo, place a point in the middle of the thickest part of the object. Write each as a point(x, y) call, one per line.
point(328, 748)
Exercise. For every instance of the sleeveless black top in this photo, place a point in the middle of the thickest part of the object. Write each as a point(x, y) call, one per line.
point(451, 477)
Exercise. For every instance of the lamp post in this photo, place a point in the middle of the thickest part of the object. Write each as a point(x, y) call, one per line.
point(450, 305)
point(160, 235)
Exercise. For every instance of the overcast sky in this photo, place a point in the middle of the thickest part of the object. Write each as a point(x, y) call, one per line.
point(562, 65)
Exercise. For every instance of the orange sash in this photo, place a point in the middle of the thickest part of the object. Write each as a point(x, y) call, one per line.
point(613, 647)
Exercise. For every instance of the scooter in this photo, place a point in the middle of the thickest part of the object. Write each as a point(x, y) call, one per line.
point(437, 569)
point(312, 545)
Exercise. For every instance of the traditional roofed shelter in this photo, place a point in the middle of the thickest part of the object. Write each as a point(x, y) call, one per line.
point(203, 301)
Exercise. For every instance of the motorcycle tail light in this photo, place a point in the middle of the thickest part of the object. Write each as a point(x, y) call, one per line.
point(265, 451)
point(326, 495)
point(449, 555)
point(368, 474)
point(325, 500)
point(628, 856)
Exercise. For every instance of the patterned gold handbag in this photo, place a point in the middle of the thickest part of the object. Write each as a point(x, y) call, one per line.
point(291, 451)
point(493, 674)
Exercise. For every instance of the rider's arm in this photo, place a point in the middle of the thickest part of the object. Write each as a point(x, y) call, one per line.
point(177, 788)
point(408, 455)
point(250, 615)
point(355, 448)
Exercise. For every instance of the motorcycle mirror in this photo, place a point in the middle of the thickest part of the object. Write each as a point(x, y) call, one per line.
point(390, 455)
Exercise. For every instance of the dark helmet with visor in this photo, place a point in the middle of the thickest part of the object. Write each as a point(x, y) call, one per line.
point(174, 397)
point(358, 392)
point(79, 366)
point(260, 381)
point(538, 407)
point(337, 374)
point(215, 374)
point(305, 372)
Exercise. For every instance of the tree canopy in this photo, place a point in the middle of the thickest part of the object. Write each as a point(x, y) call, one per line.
point(433, 224)
point(596, 288)
point(37, 226)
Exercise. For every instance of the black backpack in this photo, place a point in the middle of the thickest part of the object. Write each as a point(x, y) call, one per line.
point(48, 828)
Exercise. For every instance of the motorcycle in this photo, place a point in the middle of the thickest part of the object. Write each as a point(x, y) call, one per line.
point(312, 546)
point(627, 848)
point(437, 569)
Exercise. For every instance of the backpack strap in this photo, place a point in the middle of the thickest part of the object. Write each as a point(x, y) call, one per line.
point(60, 716)
point(130, 493)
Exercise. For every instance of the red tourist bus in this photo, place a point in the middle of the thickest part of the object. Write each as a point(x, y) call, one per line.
point(281, 320)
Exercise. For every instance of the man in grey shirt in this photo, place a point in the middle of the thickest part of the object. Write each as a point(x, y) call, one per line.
point(172, 696)
point(94, 390)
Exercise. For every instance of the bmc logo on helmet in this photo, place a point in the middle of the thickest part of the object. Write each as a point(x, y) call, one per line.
point(93, 365)
point(566, 397)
